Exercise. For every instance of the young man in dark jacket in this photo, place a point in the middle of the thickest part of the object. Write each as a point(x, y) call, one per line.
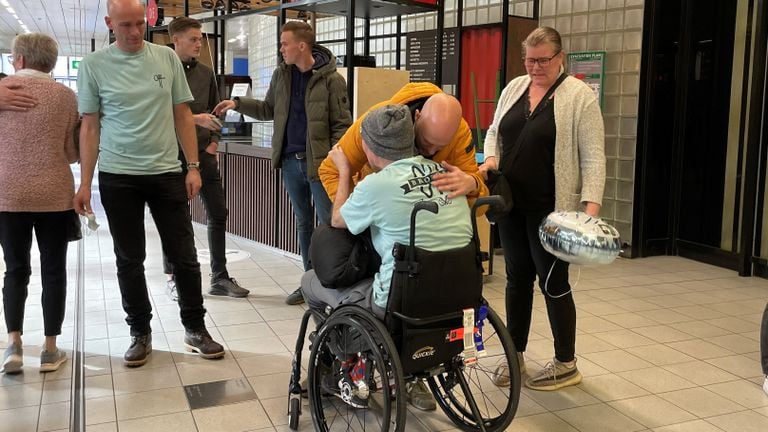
point(307, 99)
point(187, 38)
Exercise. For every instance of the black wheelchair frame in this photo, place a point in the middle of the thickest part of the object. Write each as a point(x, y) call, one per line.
point(450, 376)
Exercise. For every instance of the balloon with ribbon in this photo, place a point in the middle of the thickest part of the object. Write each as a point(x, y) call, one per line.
point(578, 238)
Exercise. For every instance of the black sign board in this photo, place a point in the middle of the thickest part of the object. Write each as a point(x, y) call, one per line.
point(421, 49)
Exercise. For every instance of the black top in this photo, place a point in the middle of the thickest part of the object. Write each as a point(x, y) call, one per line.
point(202, 84)
point(528, 158)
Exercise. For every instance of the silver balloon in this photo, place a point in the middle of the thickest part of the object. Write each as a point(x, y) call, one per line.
point(579, 238)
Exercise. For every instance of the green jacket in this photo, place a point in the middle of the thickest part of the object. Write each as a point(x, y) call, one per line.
point(326, 105)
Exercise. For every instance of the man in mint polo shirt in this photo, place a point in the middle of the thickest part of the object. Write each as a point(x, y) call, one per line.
point(133, 96)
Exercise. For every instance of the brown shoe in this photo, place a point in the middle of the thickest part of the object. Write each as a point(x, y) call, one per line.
point(201, 342)
point(141, 347)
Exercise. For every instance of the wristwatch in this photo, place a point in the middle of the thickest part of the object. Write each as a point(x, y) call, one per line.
point(193, 165)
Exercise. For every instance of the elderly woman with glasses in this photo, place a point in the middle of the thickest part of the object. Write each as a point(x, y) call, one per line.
point(36, 147)
point(547, 140)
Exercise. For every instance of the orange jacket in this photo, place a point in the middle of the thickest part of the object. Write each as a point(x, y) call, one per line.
point(460, 152)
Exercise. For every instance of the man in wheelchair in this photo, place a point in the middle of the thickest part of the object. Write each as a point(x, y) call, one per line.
point(383, 202)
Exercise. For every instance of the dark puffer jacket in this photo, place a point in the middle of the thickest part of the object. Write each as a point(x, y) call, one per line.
point(326, 105)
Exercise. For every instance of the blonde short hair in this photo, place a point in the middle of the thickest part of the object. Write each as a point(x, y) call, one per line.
point(542, 35)
point(39, 50)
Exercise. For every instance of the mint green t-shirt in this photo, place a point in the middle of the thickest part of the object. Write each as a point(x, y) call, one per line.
point(384, 200)
point(135, 94)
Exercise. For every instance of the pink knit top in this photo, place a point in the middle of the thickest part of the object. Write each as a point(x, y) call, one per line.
point(36, 148)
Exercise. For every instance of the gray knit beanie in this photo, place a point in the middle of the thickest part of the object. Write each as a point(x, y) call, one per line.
point(388, 132)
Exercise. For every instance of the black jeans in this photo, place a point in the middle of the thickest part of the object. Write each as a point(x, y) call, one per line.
point(16, 239)
point(524, 259)
point(215, 203)
point(764, 341)
point(123, 198)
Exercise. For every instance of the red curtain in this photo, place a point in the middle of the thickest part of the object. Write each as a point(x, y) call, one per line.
point(481, 56)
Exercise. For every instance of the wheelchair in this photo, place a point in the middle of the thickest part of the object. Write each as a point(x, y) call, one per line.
point(436, 327)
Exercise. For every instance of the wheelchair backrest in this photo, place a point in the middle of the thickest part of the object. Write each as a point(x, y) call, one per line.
point(430, 293)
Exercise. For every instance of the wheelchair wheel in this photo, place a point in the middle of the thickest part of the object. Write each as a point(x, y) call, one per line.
point(497, 405)
point(354, 370)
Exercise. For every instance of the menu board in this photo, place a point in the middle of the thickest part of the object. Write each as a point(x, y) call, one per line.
point(421, 52)
point(589, 66)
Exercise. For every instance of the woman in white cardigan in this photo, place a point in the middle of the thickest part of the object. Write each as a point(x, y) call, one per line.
point(547, 139)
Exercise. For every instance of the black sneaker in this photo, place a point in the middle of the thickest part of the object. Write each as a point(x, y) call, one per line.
point(295, 298)
point(201, 342)
point(139, 351)
point(170, 286)
point(227, 287)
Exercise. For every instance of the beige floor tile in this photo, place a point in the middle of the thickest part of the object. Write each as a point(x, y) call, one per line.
point(624, 338)
point(256, 346)
point(270, 386)
point(235, 417)
point(181, 421)
point(652, 411)
point(700, 372)
point(284, 327)
point(245, 331)
point(743, 392)
point(98, 386)
point(54, 416)
point(745, 421)
point(528, 407)
point(635, 305)
point(587, 343)
point(56, 391)
point(700, 329)
point(733, 324)
point(611, 387)
point(208, 370)
point(691, 426)
point(236, 317)
point(97, 365)
point(656, 380)
point(100, 410)
point(601, 308)
point(660, 354)
point(151, 403)
point(700, 349)
point(281, 313)
point(701, 402)
point(540, 423)
point(664, 316)
point(568, 397)
point(734, 343)
point(595, 324)
point(699, 312)
point(22, 395)
point(601, 418)
point(266, 364)
point(741, 366)
point(102, 427)
point(141, 380)
point(629, 320)
point(20, 419)
point(617, 360)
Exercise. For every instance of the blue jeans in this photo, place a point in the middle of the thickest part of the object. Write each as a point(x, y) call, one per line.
point(302, 192)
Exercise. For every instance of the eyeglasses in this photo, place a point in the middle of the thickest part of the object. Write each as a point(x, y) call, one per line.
point(543, 61)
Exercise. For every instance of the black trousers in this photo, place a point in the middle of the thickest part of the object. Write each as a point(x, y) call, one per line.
point(50, 229)
point(524, 259)
point(215, 202)
point(124, 198)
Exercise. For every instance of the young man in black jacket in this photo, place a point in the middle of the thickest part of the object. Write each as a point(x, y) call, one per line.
point(186, 34)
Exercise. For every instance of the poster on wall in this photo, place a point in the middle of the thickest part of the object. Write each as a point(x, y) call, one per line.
point(421, 49)
point(589, 66)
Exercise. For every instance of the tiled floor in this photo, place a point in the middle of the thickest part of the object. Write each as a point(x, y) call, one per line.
point(664, 344)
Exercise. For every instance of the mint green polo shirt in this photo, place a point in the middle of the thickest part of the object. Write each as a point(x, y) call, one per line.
point(135, 94)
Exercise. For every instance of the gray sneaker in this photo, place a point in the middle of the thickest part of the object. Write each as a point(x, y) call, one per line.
point(419, 395)
point(227, 287)
point(13, 359)
point(554, 376)
point(51, 360)
point(501, 374)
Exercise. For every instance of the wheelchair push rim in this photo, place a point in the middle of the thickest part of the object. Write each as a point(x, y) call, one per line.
point(386, 410)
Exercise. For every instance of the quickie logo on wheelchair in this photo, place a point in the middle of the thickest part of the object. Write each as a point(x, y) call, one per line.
point(426, 351)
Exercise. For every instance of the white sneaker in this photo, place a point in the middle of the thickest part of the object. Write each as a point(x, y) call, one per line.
point(765, 385)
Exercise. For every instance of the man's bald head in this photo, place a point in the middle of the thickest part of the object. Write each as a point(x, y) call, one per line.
point(437, 123)
point(126, 19)
point(112, 4)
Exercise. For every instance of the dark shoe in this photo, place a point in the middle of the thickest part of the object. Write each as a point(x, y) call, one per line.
point(295, 298)
point(227, 287)
point(170, 285)
point(13, 359)
point(201, 342)
point(140, 349)
point(51, 360)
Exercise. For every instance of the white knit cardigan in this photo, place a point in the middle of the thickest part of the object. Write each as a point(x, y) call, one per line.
point(579, 142)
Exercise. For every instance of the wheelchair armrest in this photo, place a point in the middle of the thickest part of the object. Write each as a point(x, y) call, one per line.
point(428, 320)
